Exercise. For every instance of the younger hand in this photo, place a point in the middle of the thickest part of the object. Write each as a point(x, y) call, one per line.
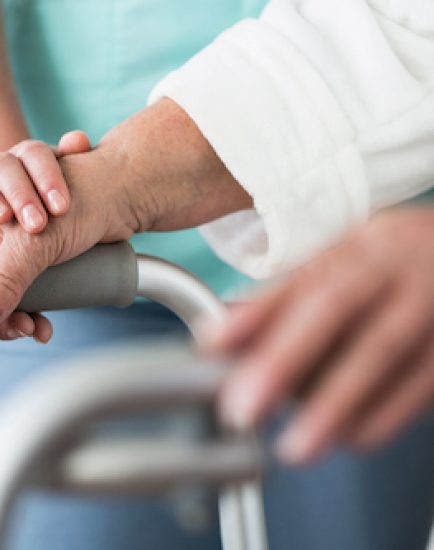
point(32, 185)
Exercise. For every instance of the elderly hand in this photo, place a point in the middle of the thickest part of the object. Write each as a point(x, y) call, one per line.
point(97, 213)
point(350, 335)
point(155, 171)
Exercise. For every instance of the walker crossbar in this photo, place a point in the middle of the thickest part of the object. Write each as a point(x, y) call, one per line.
point(114, 275)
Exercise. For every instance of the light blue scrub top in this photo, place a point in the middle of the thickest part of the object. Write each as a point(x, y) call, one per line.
point(89, 64)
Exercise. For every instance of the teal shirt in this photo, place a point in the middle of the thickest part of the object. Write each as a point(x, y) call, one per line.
point(89, 64)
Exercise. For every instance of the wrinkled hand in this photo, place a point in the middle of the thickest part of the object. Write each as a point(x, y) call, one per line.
point(155, 171)
point(98, 213)
point(350, 335)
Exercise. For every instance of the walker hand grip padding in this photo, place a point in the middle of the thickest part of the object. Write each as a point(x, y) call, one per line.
point(103, 276)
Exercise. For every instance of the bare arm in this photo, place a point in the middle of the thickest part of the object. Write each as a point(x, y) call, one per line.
point(13, 127)
point(154, 172)
point(172, 176)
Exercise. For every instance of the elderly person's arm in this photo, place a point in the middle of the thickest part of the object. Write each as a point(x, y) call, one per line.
point(153, 172)
point(321, 123)
point(323, 110)
point(31, 182)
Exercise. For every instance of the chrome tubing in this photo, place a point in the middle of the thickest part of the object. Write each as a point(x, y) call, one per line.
point(242, 516)
point(242, 520)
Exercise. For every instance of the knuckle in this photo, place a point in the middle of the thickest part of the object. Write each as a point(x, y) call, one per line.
point(20, 195)
point(31, 147)
point(7, 159)
point(45, 179)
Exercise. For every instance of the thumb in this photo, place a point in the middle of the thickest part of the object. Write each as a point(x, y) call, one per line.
point(73, 143)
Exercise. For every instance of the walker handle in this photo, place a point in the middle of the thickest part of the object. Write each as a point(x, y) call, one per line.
point(106, 275)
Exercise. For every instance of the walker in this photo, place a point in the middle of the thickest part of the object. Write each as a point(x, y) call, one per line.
point(59, 451)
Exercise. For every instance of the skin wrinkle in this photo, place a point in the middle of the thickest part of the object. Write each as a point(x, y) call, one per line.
point(170, 179)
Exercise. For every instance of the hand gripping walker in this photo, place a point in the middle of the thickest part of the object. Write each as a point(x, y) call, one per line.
point(51, 451)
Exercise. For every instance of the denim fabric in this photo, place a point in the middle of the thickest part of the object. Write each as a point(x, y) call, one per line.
point(383, 502)
point(88, 64)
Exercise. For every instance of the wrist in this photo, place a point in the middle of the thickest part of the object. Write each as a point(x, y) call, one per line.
point(98, 199)
point(124, 150)
point(172, 177)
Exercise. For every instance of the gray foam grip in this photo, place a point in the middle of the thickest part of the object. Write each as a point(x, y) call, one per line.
point(103, 276)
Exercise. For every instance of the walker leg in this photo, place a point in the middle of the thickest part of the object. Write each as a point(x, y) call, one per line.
point(242, 518)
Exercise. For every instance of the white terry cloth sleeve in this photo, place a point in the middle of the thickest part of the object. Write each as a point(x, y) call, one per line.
point(323, 110)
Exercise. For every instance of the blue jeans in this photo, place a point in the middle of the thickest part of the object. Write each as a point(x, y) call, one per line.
point(382, 502)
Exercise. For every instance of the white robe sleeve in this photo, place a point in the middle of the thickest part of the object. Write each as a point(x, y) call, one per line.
point(323, 110)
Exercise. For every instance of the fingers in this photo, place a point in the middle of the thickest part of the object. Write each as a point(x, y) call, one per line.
point(410, 396)
point(45, 174)
point(244, 320)
point(249, 318)
point(32, 183)
point(17, 189)
point(73, 143)
point(24, 325)
point(43, 328)
point(18, 325)
point(369, 363)
point(301, 331)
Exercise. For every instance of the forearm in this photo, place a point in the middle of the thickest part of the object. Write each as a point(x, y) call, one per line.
point(154, 172)
point(12, 127)
point(322, 122)
point(173, 178)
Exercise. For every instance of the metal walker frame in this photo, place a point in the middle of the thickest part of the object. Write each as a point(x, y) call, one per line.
point(53, 452)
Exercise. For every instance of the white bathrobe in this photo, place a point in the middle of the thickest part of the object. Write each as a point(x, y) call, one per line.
point(323, 110)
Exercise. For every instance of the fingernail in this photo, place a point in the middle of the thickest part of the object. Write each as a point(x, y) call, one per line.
point(13, 333)
point(239, 401)
point(297, 444)
point(32, 217)
point(39, 341)
point(57, 201)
